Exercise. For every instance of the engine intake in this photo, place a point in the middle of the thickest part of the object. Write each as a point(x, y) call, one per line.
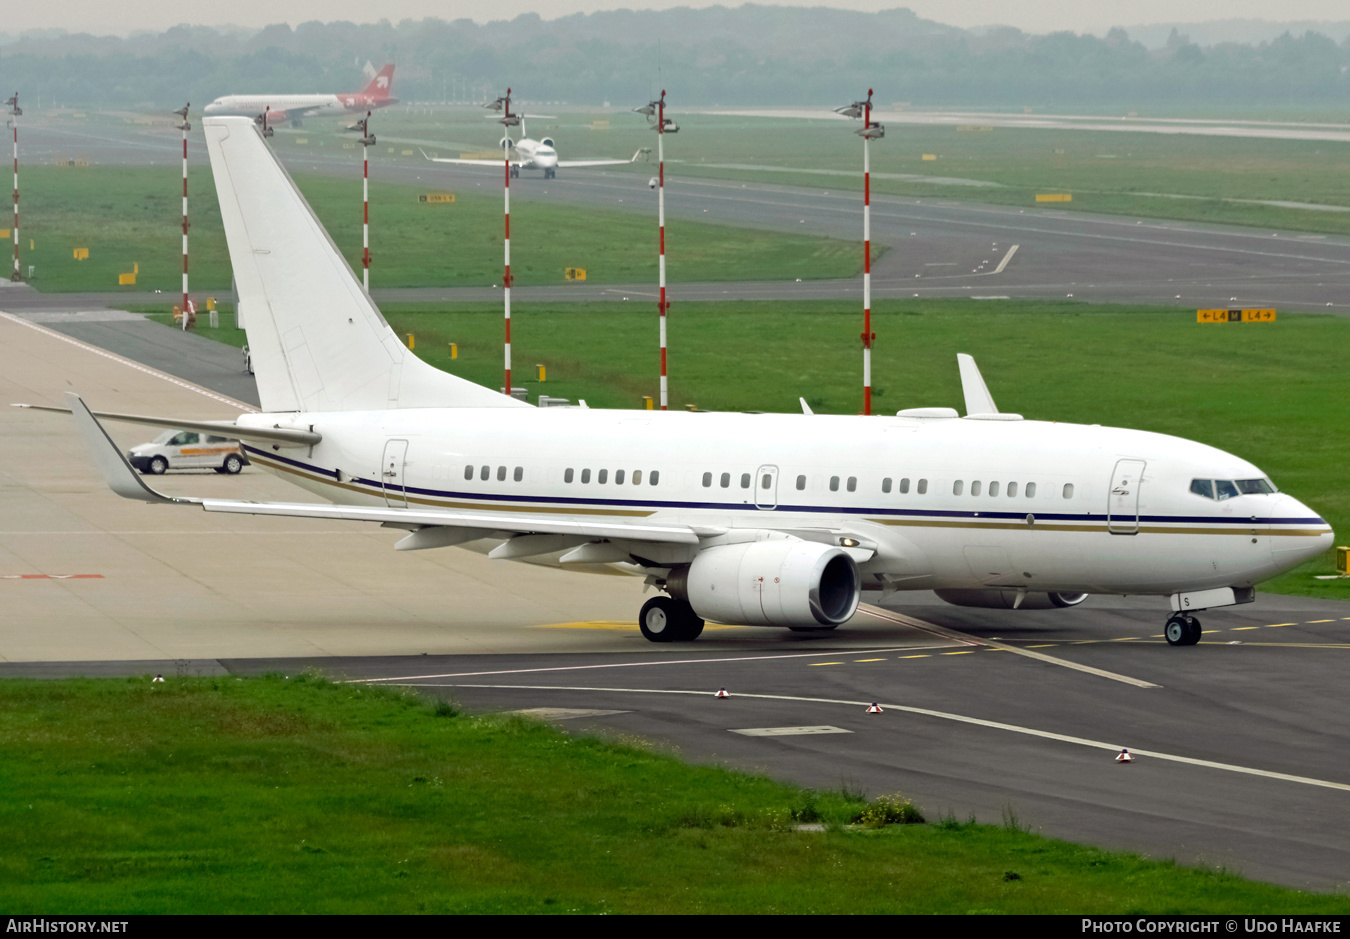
point(774, 583)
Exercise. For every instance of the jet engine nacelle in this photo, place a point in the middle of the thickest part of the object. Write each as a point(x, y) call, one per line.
point(778, 582)
point(1007, 599)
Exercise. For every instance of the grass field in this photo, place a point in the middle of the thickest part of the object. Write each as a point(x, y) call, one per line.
point(1207, 179)
point(130, 216)
point(297, 795)
point(1270, 393)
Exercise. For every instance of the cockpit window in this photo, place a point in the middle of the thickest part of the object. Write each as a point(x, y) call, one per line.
point(1221, 489)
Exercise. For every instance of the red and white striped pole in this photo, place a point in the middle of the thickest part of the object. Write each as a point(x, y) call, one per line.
point(14, 112)
point(367, 140)
point(508, 121)
point(661, 223)
point(185, 127)
point(870, 131)
point(867, 335)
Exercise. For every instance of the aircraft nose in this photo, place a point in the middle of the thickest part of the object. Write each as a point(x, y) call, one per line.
point(1296, 532)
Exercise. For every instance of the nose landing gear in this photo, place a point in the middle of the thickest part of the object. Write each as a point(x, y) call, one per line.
point(550, 174)
point(1182, 630)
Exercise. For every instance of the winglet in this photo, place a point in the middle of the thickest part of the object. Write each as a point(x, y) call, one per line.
point(978, 398)
point(121, 478)
point(806, 408)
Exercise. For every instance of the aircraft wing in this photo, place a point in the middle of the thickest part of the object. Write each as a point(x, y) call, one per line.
point(466, 162)
point(126, 482)
point(599, 162)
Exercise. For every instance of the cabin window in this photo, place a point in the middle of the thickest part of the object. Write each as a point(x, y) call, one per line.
point(975, 488)
point(745, 480)
point(725, 481)
point(468, 472)
point(585, 476)
point(993, 489)
point(1012, 490)
point(618, 477)
point(958, 487)
point(766, 481)
point(637, 477)
point(707, 480)
point(1031, 490)
point(1203, 487)
point(801, 483)
point(923, 486)
point(602, 476)
point(486, 472)
point(1068, 490)
point(519, 474)
point(852, 483)
point(653, 477)
point(834, 484)
point(567, 475)
point(886, 484)
point(501, 474)
point(904, 485)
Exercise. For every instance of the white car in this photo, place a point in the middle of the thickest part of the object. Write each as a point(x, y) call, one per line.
point(187, 449)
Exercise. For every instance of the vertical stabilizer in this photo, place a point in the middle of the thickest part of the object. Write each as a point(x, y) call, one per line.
point(978, 398)
point(318, 342)
point(381, 83)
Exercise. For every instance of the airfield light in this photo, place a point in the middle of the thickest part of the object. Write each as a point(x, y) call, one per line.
point(185, 126)
point(367, 141)
point(868, 132)
point(655, 112)
point(14, 111)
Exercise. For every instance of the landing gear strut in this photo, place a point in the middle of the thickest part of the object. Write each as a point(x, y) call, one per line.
point(1182, 630)
point(665, 619)
point(550, 174)
point(515, 172)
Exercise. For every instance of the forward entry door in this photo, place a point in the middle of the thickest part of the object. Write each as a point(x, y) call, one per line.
point(391, 473)
point(1122, 506)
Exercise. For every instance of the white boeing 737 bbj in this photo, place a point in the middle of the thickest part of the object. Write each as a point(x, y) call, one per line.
point(757, 519)
point(293, 108)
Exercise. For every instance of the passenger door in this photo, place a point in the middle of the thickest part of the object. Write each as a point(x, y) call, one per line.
point(766, 488)
point(1122, 506)
point(391, 473)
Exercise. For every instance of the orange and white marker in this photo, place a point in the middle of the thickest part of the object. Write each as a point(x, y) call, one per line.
point(1124, 757)
point(874, 709)
point(722, 693)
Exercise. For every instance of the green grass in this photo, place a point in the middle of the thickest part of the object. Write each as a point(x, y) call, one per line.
point(297, 795)
point(1179, 176)
point(1274, 394)
point(128, 216)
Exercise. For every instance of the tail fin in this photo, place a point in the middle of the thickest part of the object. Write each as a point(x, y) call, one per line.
point(318, 342)
point(382, 85)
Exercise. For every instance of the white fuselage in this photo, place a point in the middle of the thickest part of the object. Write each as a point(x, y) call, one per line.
point(535, 154)
point(1041, 506)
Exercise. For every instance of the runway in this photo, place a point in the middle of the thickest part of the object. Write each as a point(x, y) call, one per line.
point(937, 247)
point(1239, 740)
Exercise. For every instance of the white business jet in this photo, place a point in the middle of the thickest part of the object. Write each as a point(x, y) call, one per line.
point(756, 519)
point(527, 154)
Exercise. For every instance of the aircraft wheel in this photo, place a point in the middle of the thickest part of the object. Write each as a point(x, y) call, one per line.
point(659, 620)
point(689, 625)
point(1179, 630)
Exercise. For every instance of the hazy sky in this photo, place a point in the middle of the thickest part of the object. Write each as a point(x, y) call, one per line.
point(99, 16)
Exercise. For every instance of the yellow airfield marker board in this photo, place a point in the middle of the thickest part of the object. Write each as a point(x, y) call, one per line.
point(436, 198)
point(1054, 197)
point(1235, 316)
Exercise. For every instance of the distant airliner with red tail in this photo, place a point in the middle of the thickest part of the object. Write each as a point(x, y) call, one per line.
point(293, 108)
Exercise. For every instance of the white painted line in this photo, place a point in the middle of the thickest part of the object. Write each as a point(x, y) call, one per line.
point(1006, 258)
point(565, 714)
point(962, 719)
point(790, 731)
point(130, 364)
point(957, 636)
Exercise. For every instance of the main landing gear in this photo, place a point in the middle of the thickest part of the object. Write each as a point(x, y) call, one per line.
point(665, 619)
point(1182, 629)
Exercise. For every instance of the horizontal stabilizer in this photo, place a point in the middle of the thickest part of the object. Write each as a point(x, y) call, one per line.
point(284, 436)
